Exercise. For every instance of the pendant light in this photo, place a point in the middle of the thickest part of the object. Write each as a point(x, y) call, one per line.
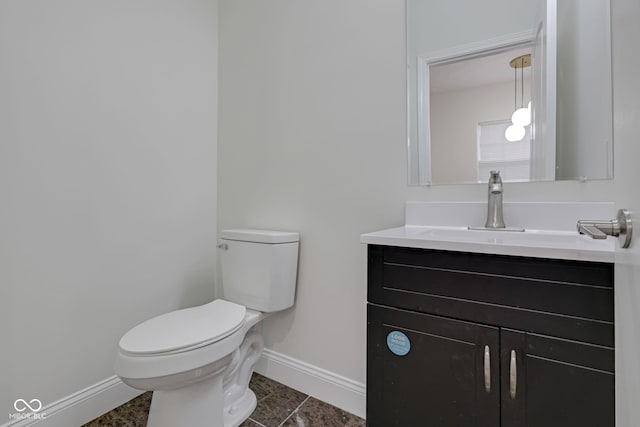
point(514, 133)
point(521, 117)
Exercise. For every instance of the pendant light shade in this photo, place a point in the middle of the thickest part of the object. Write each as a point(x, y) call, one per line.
point(521, 117)
point(514, 133)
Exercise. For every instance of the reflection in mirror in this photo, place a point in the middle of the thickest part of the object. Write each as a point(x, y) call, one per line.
point(463, 90)
point(470, 108)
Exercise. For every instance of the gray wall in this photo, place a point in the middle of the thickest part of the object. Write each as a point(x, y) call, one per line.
point(311, 139)
point(107, 181)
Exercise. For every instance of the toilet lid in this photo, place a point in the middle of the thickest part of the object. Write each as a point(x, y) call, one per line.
point(181, 329)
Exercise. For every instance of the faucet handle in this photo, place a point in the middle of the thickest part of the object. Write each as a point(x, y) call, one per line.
point(591, 230)
point(621, 227)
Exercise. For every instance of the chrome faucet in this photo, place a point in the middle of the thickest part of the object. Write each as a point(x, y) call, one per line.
point(495, 220)
point(494, 206)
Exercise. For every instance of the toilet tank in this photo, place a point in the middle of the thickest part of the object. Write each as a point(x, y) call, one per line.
point(259, 268)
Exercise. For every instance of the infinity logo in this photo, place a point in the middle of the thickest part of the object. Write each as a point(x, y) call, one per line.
point(21, 405)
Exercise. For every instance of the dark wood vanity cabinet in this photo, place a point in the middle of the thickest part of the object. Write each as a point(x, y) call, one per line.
point(462, 339)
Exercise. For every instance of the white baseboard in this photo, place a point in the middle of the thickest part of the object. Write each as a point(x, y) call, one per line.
point(81, 407)
point(85, 405)
point(327, 386)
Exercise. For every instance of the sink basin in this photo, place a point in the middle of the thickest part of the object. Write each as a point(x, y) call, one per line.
point(545, 238)
point(532, 243)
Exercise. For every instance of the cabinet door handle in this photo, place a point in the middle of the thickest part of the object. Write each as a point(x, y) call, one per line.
point(513, 375)
point(487, 369)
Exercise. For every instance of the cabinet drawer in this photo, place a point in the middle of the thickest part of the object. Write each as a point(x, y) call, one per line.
point(568, 299)
point(582, 272)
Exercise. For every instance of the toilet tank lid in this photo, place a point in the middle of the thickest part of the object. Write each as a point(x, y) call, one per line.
point(260, 236)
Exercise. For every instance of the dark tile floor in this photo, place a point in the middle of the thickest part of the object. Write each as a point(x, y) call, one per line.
point(278, 406)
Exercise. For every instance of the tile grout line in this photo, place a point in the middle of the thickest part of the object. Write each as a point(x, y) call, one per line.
point(294, 411)
point(259, 423)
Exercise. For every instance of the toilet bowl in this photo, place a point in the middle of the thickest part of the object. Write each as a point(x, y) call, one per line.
point(198, 361)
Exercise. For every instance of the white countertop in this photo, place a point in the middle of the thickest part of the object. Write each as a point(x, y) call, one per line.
point(531, 243)
point(549, 230)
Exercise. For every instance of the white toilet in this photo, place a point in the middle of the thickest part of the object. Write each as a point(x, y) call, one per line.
point(198, 361)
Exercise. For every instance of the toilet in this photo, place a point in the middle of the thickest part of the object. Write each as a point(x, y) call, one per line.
point(198, 361)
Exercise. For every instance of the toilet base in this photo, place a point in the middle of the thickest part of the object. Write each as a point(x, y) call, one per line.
point(197, 405)
point(241, 410)
point(221, 399)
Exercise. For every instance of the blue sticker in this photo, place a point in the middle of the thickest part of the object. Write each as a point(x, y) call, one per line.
point(398, 343)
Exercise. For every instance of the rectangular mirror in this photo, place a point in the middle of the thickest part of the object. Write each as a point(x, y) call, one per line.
point(471, 65)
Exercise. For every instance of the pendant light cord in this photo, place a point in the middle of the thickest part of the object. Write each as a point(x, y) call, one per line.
point(515, 89)
point(522, 83)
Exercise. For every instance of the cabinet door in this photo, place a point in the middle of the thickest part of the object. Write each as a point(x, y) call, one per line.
point(449, 376)
point(551, 382)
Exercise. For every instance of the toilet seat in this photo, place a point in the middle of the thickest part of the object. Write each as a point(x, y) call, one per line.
point(184, 330)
